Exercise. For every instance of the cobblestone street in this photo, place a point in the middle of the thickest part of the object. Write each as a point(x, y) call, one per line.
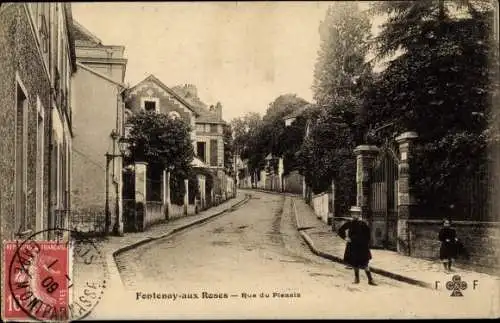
point(257, 249)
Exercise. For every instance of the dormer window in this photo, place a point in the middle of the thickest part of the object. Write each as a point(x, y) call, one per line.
point(150, 106)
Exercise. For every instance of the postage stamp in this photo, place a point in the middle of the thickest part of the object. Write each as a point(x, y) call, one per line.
point(61, 280)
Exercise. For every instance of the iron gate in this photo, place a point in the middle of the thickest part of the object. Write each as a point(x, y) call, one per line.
point(384, 195)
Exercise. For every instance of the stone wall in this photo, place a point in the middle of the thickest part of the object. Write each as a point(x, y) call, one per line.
point(19, 54)
point(176, 211)
point(154, 213)
point(481, 239)
point(320, 204)
point(293, 182)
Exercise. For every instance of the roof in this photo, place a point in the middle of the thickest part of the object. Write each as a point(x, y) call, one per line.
point(91, 70)
point(204, 115)
point(83, 35)
point(71, 36)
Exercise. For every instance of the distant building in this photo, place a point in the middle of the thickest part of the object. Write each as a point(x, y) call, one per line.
point(37, 60)
point(98, 111)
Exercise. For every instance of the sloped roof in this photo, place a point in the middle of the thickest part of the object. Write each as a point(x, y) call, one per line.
point(208, 117)
point(204, 114)
point(83, 35)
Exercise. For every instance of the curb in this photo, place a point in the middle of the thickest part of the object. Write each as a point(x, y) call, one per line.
point(175, 230)
point(376, 270)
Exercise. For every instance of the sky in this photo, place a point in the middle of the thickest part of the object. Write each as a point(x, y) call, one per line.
point(243, 54)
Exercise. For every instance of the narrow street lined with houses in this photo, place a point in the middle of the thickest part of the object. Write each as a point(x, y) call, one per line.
point(257, 249)
point(200, 161)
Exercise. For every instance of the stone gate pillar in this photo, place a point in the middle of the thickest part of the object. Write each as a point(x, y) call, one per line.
point(186, 196)
point(281, 170)
point(365, 154)
point(166, 193)
point(201, 188)
point(406, 199)
point(140, 195)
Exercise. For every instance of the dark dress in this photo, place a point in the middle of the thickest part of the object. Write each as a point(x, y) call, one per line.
point(449, 249)
point(357, 252)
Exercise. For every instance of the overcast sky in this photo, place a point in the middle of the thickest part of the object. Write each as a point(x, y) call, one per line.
point(242, 54)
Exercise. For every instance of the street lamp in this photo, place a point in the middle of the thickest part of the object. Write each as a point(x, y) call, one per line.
point(122, 146)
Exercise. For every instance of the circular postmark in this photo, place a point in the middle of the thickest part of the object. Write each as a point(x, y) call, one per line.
point(57, 280)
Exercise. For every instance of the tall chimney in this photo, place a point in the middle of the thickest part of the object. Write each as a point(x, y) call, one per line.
point(218, 110)
point(191, 90)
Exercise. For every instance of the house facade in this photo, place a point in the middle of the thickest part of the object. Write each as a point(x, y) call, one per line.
point(37, 61)
point(209, 144)
point(151, 187)
point(97, 101)
point(183, 102)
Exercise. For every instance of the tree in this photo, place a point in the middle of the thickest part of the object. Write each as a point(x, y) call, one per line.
point(340, 67)
point(326, 155)
point(441, 78)
point(162, 142)
point(157, 139)
point(242, 127)
point(247, 139)
point(341, 76)
point(274, 135)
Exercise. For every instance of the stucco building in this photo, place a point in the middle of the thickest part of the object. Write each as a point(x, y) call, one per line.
point(97, 113)
point(37, 61)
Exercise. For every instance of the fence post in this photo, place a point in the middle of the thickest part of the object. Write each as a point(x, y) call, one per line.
point(166, 193)
point(186, 196)
point(333, 200)
point(280, 174)
point(140, 194)
point(304, 187)
point(406, 199)
point(364, 161)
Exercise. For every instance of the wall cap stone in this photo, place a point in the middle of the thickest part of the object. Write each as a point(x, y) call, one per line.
point(141, 163)
point(366, 149)
point(406, 136)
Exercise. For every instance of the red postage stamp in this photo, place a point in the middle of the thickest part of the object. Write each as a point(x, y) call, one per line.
point(36, 280)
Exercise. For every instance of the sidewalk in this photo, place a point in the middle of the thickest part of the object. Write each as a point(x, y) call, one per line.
point(425, 273)
point(113, 245)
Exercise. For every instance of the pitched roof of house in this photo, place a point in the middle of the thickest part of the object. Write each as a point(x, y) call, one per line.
point(83, 35)
point(204, 114)
point(93, 71)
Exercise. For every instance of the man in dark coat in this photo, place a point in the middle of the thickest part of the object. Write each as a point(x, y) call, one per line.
point(357, 253)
